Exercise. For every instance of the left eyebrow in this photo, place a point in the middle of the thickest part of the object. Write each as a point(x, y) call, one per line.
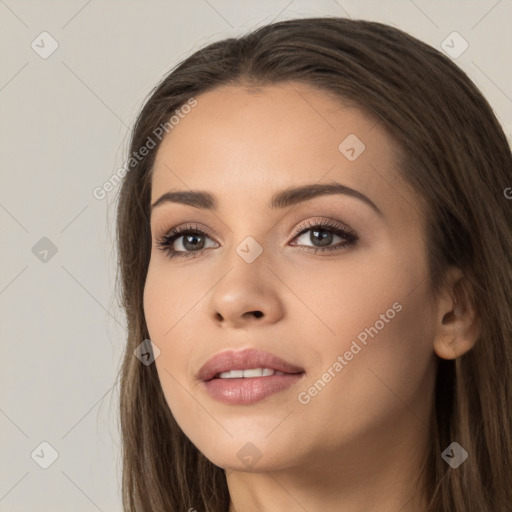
point(281, 199)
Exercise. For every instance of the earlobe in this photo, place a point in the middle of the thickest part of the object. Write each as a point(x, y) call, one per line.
point(458, 322)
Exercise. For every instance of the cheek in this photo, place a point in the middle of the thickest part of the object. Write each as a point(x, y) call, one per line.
point(339, 299)
point(387, 371)
point(174, 307)
point(375, 315)
point(170, 299)
point(165, 302)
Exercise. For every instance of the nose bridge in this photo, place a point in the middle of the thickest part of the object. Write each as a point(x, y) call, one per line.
point(247, 266)
point(248, 233)
point(247, 290)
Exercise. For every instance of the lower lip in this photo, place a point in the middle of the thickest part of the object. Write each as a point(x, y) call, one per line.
point(244, 391)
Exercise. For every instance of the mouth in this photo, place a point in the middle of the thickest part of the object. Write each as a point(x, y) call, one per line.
point(247, 363)
point(249, 373)
point(247, 376)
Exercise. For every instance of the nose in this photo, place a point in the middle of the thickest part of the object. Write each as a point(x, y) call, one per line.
point(248, 294)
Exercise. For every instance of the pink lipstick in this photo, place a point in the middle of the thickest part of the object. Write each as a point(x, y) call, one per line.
point(247, 376)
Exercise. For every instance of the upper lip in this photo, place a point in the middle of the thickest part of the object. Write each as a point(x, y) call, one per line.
point(244, 360)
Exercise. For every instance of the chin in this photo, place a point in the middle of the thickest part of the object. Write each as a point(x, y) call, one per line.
point(249, 456)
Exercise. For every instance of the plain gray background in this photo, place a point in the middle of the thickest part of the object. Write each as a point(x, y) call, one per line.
point(64, 129)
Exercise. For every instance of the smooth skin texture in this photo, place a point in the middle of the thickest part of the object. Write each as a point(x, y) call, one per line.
point(359, 443)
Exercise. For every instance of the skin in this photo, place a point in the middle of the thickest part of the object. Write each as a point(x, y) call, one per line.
point(359, 443)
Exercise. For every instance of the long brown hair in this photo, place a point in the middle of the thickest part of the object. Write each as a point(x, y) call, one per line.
point(456, 157)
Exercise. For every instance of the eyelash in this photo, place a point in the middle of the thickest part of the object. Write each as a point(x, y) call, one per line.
point(165, 242)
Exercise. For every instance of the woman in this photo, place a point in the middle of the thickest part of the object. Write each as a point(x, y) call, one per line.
point(315, 236)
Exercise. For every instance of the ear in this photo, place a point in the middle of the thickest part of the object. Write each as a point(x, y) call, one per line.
point(458, 323)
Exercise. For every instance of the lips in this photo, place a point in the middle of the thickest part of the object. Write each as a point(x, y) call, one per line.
point(244, 360)
point(263, 375)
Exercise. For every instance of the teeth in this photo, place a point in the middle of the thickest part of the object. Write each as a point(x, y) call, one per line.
point(247, 374)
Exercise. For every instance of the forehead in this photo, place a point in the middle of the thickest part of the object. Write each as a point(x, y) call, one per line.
point(262, 139)
point(291, 120)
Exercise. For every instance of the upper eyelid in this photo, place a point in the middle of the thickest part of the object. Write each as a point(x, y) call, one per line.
point(331, 211)
point(304, 226)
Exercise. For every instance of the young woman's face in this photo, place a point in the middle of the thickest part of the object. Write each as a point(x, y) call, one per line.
point(335, 285)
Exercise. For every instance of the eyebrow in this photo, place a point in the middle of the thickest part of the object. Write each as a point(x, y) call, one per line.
point(282, 199)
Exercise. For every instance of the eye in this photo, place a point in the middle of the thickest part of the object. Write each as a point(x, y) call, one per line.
point(189, 241)
point(192, 243)
point(322, 234)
